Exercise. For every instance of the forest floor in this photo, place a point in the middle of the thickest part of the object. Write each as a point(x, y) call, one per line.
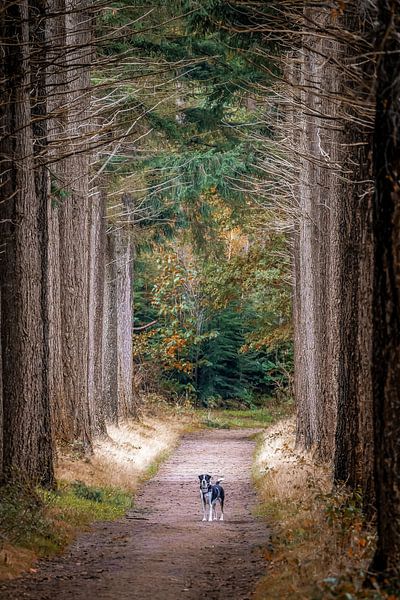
point(161, 548)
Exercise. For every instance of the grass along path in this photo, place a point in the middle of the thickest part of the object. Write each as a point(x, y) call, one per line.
point(250, 418)
point(321, 546)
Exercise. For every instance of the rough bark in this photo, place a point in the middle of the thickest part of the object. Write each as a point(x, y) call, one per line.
point(328, 196)
point(56, 379)
point(333, 251)
point(118, 366)
point(110, 357)
point(315, 243)
point(57, 90)
point(123, 259)
point(27, 446)
point(386, 305)
point(305, 378)
point(75, 424)
point(354, 435)
point(292, 114)
point(96, 307)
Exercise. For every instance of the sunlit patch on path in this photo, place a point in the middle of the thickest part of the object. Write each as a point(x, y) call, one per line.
point(162, 549)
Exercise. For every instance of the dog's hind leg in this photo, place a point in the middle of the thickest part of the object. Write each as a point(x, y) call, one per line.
point(215, 511)
point(210, 517)
point(222, 509)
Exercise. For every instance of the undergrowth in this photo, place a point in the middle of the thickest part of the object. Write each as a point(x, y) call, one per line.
point(321, 545)
point(44, 522)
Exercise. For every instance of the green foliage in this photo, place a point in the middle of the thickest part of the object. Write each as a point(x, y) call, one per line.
point(44, 521)
point(81, 490)
point(228, 370)
point(243, 26)
point(194, 143)
point(204, 342)
point(23, 518)
point(58, 194)
point(196, 172)
point(79, 504)
point(225, 372)
point(343, 508)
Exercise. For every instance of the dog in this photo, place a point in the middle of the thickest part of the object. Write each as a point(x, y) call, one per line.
point(210, 494)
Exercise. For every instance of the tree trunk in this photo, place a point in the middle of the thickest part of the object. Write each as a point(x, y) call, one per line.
point(110, 356)
point(74, 232)
point(328, 137)
point(354, 435)
point(315, 241)
point(118, 363)
point(332, 296)
point(27, 447)
point(57, 124)
point(305, 378)
point(123, 259)
point(96, 308)
point(386, 304)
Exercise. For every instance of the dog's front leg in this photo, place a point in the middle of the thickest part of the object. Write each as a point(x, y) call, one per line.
point(210, 517)
point(203, 504)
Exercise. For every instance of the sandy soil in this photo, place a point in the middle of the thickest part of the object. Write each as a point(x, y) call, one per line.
point(162, 550)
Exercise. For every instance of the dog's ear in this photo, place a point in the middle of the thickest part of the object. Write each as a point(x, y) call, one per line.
point(200, 477)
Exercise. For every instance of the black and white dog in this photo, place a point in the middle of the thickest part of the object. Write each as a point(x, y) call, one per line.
point(210, 494)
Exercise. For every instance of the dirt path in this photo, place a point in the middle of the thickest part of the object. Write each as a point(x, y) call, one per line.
point(162, 549)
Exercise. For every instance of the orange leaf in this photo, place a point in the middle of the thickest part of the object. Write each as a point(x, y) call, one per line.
point(362, 542)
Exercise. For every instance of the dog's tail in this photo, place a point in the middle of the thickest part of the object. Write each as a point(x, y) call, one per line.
point(219, 480)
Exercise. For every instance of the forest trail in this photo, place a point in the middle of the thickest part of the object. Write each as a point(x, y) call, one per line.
point(162, 550)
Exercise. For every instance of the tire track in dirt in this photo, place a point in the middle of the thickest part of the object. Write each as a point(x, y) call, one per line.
point(162, 550)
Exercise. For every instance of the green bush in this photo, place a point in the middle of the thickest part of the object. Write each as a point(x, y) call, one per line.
point(81, 490)
point(44, 521)
point(23, 519)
